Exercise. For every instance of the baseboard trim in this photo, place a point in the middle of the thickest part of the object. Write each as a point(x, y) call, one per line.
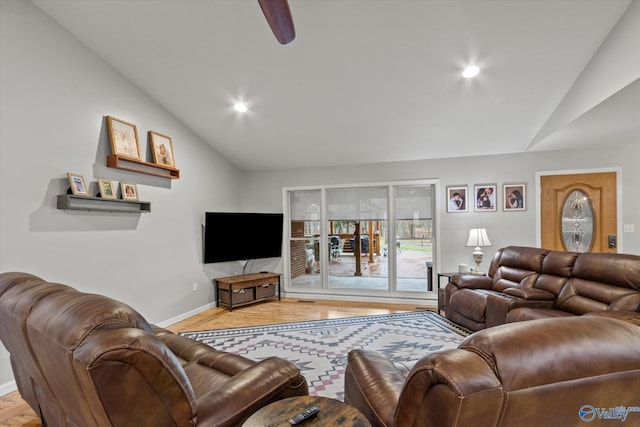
point(361, 298)
point(7, 388)
point(186, 315)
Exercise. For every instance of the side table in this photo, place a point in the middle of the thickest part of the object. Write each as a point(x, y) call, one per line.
point(441, 291)
point(333, 413)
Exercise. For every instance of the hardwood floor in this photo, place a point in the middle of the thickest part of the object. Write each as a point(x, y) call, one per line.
point(15, 412)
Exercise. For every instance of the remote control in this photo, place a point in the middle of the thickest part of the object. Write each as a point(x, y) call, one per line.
point(297, 419)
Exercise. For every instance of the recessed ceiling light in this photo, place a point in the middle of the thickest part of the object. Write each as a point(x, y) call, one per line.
point(240, 107)
point(470, 72)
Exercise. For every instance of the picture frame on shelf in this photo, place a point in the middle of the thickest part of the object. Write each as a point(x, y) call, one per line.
point(77, 184)
point(514, 197)
point(107, 190)
point(162, 149)
point(129, 191)
point(124, 138)
point(457, 200)
point(485, 196)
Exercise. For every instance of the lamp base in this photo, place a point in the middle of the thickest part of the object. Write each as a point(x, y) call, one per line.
point(477, 258)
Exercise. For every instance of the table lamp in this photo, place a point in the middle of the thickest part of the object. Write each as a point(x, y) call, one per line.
point(478, 238)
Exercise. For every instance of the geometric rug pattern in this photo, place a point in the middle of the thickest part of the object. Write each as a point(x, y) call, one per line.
point(319, 348)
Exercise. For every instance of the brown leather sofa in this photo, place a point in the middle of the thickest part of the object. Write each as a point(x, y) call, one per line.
point(87, 360)
point(526, 283)
point(557, 372)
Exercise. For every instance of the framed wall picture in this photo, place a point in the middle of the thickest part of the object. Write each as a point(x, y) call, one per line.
point(124, 138)
point(129, 191)
point(514, 197)
point(162, 149)
point(485, 197)
point(107, 190)
point(457, 199)
point(78, 186)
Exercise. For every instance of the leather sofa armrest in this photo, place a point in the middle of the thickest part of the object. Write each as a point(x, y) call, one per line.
point(470, 281)
point(243, 394)
point(499, 304)
point(450, 388)
point(193, 351)
point(108, 360)
point(530, 294)
point(373, 384)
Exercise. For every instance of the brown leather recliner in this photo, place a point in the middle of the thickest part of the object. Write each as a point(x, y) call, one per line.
point(87, 360)
point(558, 372)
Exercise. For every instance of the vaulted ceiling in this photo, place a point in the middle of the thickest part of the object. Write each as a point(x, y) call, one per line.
point(368, 81)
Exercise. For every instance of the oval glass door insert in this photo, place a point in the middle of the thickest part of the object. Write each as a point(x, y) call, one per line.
point(577, 222)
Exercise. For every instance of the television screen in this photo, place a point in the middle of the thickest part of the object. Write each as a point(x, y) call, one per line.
point(233, 236)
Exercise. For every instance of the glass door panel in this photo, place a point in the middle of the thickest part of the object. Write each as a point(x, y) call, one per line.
point(354, 227)
point(414, 236)
point(304, 239)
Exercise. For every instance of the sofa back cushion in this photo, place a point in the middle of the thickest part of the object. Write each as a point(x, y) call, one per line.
point(516, 266)
point(20, 293)
point(621, 270)
point(556, 271)
point(580, 296)
point(602, 282)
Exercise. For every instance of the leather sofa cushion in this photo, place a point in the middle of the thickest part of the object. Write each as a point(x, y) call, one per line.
point(526, 313)
point(526, 258)
point(580, 296)
point(531, 361)
point(558, 263)
point(471, 304)
point(621, 270)
point(529, 293)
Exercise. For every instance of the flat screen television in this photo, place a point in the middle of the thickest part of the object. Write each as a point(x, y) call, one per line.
point(233, 236)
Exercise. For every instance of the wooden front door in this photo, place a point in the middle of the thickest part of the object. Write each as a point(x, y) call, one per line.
point(579, 211)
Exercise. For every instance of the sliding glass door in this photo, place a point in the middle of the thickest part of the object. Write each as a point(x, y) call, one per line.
point(374, 239)
point(354, 218)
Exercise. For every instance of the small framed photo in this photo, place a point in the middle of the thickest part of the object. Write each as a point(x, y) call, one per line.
point(78, 186)
point(514, 197)
point(485, 197)
point(162, 149)
point(129, 191)
point(124, 138)
point(457, 199)
point(107, 190)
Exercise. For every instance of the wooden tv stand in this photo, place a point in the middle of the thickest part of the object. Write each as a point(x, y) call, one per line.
point(236, 291)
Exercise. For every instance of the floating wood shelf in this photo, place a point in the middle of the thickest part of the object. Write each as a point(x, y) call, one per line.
point(133, 165)
point(84, 203)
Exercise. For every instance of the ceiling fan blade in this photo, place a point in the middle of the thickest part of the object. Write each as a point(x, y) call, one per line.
point(279, 18)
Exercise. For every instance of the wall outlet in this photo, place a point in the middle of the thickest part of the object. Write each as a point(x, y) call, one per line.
point(195, 286)
point(629, 228)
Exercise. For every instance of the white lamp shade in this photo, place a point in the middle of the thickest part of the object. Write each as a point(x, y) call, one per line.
point(478, 238)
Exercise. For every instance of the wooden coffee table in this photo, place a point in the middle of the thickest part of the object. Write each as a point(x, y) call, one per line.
point(332, 413)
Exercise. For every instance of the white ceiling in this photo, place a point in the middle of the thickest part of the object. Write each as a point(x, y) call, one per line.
point(369, 81)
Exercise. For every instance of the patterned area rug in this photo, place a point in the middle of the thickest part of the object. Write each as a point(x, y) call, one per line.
point(319, 348)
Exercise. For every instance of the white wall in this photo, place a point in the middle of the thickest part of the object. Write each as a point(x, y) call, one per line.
point(55, 93)
point(504, 228)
